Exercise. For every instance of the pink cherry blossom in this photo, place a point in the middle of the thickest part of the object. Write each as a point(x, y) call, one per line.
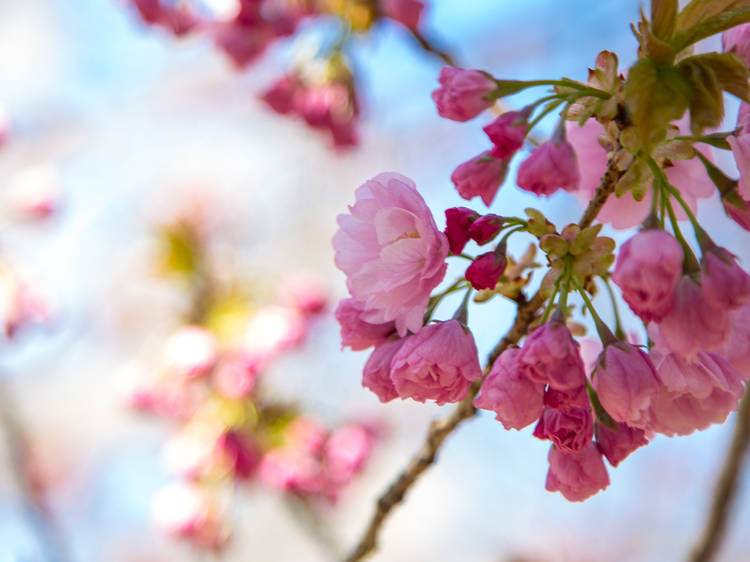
point(271, 330)
point(565, 400)
point(738, 215)
point(570, 431)
point(191, 352)
point(236, 375)
point(462, 94)
point(485, 228)
point(346, 451)
point(617, 444)
point(243, 43)
point(377, 372)
point(648, 270)
point(239, 453)
point(481, 176)
point(406, 12)
point(737, 347)
point(725, 284)
point(391, 252)
point(626, 382)
point(694, 323)
point(507, 133)
point(437, 363)
point(485, 271)
point(283, 93)
point(550, 167)
point(577, 476)
point(355, 332)
point(737, 41)
point(550, 356)
point(185, 511)
point(458, 220)
point(516, 400)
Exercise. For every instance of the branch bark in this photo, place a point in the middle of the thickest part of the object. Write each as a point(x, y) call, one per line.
point(726, 487)
point(440, 429)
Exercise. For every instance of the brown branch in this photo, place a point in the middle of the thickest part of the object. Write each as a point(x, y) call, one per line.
point(430, 47)
point(726, 487)
point(440, 429)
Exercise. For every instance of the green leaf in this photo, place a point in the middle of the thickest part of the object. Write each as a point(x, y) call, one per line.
point(707, 102)
point(601, 414)
point(698, 11)
point(719, 140)
point(507, 88)
point(705, 27)
point(731, 72)
point(654, 96)
point(663, 18)
point(722, 182)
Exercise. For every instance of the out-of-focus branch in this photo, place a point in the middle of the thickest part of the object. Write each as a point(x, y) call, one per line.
point(440, 429)
point(726, 487)
point(431, 48)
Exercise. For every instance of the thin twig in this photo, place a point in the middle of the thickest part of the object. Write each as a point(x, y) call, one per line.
point(430, 47)
point(726, 487)
point(440, 429)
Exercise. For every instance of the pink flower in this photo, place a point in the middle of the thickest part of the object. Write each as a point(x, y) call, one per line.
point(272, 330)
point(725, 284)
point(191, 352)
point(239, 453)
point(345, 452)
point(648, 269)
point(355, 332)
point(485, 228)
point(516, 400)
point(437, 363)
point(550, 167)
point(617, 444)
point(481, 176)
point(626, 382)
point(406, 12)
point(391, 252)
point(377, 372)
point(485, 271)
point(185, 511)
point(565, 400)
point(737, 40)
point(458, 220)
point(578, 476)
point(462, 94)
point(695, 392)
point(737, 347)
point(282, 94)
point(694, 324)
point(235, 375)
point(176, 19)
point(740, 216)
point(741, 150)
point(550, 356)
point(570, 431)
point(507, 133)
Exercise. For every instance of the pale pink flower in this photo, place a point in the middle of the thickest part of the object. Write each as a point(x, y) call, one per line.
point(35, 193)
point(191, 352)
point(304, 291)
point(186, 511)
point(737, 40)
point(391, 252)
point(577, 476)
point(189, 453)
point(617, 444)
point(292, 469)
point(550, 356)
point(235, 375)
point(355, 332)
point(570, 431)
point(406, 12)
point(458, 221)
point(626, 382)
point(481, 176)
point(694, 323)
point(507, 133)
point(437, 363)
point(346, 452)
point(485, 271)
point(377, 372)
point(462, 94)
point(485, 228)
point(740, 216)
point(648, 270)
point(550, 167)
point(725, 284)
point(516, 400)
point(272, 330)
point(737, 347)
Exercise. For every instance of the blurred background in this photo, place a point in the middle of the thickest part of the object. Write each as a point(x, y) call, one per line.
point(114, 129)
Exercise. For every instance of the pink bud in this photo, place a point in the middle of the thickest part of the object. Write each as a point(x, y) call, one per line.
point(346, 451)
point(377, 372)
point(549, 167)
point(406, 12)
point(458, 221)
point(577, 476)
point(462, 94)
point(617, 444)
point(191, 352)
point(725, 284)
point(507, 133)
point(282, 94)
point(516, 400)
point(565, 400)
point(240, 42)
point(694, 324)
point(485, 228)
point(626, 382)
point(481, 176)
point(550, 356)
point(438, 363)
point(570, 431)
point(740, 216)
point(240, 453)
point(737, 41)
point(485, 271)
point(355, 332)
point(648, 269)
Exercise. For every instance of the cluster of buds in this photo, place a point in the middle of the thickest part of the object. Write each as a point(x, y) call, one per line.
point(621, 143)
point(326, 100)
point(211, 381)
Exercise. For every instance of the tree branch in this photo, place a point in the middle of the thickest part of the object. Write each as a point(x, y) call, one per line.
point(726, 487)
point(440, 429)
